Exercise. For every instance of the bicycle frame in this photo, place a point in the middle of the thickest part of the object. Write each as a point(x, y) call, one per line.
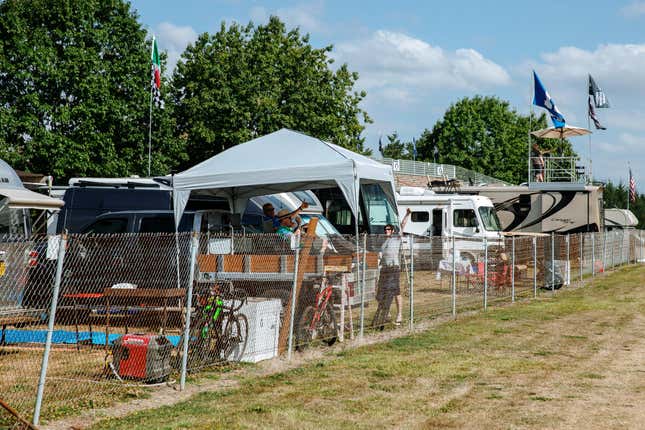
point(322, 298)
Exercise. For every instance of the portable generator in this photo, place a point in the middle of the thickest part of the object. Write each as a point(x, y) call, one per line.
point(142, 356)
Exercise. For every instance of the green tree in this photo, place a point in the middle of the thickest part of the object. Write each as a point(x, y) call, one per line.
point(395, 148)
point(484, 134)
point(615, 196)
point(75, 86)
point(246, 81)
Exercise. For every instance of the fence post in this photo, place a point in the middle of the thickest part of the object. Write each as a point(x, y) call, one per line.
point(640, 245)
point(194, 246)
point(568, 274)
point(581, 245)
point(534, 266)
point(453, 284)
point(604, 251)
point(293, 302)
point(62, 244)
point(411, 241)
point(485, 273)
point(593, 255)
point(552, 261)
point(362, 287)
point(513, 271)
point(613, 249)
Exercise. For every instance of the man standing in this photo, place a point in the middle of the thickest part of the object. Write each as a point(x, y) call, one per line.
point(390, 277)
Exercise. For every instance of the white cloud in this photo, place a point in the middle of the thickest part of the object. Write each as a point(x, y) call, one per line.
point(633, 10)
point(303, 15)
point(173, 39)
point(393, 65)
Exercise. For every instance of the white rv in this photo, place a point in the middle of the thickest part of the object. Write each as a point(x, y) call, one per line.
point(469, 219)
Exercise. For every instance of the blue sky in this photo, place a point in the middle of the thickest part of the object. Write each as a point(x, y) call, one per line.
point(415, 58)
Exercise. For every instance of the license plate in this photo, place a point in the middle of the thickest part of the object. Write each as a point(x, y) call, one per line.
point(3, 268)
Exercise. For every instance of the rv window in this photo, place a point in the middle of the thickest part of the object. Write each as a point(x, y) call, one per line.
point(464, 218)
point(437, 222)
point(108, 226)
point(11, 221)
point(420, 216)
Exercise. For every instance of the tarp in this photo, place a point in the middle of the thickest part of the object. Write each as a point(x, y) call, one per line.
point(19, 197)
point(282, 161)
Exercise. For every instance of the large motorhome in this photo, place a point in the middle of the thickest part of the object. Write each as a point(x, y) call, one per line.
point(545, 207)
point(471, 220)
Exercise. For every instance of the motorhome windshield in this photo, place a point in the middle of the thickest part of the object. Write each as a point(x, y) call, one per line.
point(489, 218)
point(379, 209)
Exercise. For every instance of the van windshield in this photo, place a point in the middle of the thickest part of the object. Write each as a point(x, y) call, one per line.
point(324, 227)
point(379, 209)
point(489, 218)
point(12, 221)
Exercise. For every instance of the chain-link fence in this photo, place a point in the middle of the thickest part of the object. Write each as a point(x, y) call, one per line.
point(88, 320)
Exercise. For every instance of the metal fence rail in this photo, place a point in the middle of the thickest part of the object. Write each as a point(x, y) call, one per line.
point(89, 320)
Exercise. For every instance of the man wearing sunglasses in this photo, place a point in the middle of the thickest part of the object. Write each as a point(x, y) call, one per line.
point(390, 277)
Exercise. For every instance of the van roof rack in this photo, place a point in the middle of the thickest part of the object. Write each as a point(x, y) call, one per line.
point(113, 183)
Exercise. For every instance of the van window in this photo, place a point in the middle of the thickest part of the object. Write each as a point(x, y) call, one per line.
point(108, 226)
point(437, 222)
point(420, 216)
point(157, 224)
point(464, 218)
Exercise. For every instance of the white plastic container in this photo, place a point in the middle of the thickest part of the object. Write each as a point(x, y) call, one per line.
point(264, 327)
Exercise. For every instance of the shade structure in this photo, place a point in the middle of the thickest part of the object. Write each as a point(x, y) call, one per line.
point(560, 132)
point(281, 161)
point(16, 196)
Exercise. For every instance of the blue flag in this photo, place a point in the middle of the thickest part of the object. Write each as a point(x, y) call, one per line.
point(543, 99)
point(380, 146)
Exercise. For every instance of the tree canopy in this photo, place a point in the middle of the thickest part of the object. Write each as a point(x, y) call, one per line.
point(75, 88)
point(247, 81)
point(484, 134)
point(615, 196)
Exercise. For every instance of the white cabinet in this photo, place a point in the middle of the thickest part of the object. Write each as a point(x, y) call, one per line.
point(264, 327)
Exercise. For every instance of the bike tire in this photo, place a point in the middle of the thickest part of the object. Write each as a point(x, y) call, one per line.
point(235, 337)
point(328, 326)
point(304, 334)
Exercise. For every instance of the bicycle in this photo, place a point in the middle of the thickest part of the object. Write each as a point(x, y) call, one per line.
point(318, 321)
point(218, 331)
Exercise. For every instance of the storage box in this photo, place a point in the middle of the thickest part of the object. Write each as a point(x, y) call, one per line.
point(264, 327)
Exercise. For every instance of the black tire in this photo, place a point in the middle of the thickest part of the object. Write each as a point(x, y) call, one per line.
point(235, 337)
point(304, 334)
point(325, 329)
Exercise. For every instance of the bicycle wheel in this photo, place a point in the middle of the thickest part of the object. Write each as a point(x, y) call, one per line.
point(304, 333)
point(235, 337)
point(327, 325)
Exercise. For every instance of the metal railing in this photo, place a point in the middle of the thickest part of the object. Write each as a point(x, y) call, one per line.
point(557, 169)
point(88, 319)
point(447, 171)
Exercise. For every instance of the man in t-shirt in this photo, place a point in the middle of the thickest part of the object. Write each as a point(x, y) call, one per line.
point(390, 277)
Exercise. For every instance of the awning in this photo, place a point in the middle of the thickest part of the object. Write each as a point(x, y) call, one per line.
point(22, 198)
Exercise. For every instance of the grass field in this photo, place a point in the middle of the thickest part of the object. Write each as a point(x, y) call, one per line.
point(571, 361)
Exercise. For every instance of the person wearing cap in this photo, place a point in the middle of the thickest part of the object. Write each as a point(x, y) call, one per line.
point(287, 225)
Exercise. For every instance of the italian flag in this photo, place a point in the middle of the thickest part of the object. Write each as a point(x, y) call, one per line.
point(155, 82)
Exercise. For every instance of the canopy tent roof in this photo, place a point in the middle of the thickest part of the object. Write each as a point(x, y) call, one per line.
point(282, 161)
point(19, 197)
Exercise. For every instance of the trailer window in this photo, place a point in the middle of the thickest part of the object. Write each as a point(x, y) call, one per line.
point(489, 218)
point(420, 216)
point(464, 218)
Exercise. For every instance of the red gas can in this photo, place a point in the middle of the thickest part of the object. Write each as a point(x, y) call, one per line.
point(142, 356)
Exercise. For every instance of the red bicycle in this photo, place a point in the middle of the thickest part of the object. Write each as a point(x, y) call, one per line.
point(317, 321)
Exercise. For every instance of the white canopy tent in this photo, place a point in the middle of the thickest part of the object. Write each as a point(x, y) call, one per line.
point(282, 161)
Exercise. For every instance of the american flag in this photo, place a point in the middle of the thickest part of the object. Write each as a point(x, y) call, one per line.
point(632, 187)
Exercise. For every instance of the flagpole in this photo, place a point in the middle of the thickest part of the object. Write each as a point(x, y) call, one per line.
point(629, 184)
point(150, 134)
point(589, 128)
point(528, 169)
